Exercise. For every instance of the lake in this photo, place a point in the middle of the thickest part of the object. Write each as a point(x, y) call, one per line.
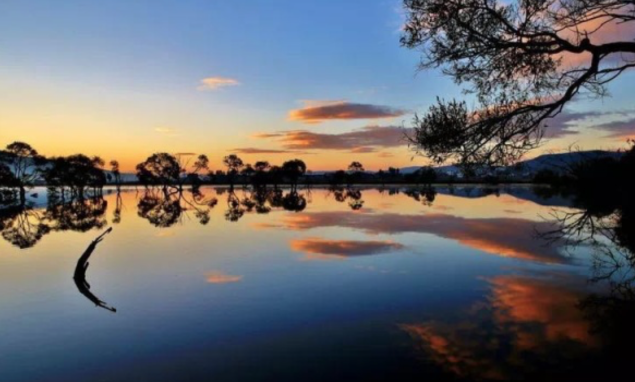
point(355, 284)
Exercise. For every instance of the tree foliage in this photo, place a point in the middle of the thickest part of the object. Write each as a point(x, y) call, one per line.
point(294, 169)
point(523, 61)
point(160, 169)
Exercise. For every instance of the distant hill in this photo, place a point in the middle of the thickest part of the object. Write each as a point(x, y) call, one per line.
point(555, 162)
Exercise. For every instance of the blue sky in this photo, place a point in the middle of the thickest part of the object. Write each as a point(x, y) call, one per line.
point(122, 79)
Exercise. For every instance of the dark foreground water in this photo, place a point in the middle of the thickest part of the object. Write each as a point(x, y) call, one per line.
point(328, 285)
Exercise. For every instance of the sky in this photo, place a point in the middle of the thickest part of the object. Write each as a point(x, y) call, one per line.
point(325, 81)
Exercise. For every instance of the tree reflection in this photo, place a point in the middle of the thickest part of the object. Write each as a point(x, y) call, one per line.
point(262, 200)
point(604, 224)
point(116, 214)
point(164, 209)
point(235, 209)
point(22, 226)
point(425, 195)
point(350, 194)
point(79, 214)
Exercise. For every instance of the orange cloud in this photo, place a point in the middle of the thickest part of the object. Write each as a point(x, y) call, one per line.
point(363, 150)
point(366, 139)
point(313, 113)
point(255, 150)
point(213, 83)
point(217, 277)
point(325, 249)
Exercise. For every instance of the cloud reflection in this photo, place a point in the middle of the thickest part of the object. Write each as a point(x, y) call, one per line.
point(508, 237)
point(527, 323)
point(218, 277)
point(324, 249)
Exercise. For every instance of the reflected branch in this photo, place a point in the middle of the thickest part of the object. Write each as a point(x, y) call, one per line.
point(80, 274)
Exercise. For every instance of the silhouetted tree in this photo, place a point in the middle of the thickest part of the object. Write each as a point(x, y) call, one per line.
point(293, 170)
point(8, 182)
point(234, 164)
point(275, 176)
point(248, 172)
point(338, 177)
point(381, 174)
point(202, 163)
point(116, 173)
point(78, 172)
point(427, 175)
point(160, 169)
point(355, 167)
point(23, 161)
point(514, 57)
point(193, 177)
point(260, 178)
point(262, 166)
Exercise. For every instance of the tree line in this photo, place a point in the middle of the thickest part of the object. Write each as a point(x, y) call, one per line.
point(22, 167)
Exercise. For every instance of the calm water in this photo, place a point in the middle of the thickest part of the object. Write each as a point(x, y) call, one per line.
point(357, 285)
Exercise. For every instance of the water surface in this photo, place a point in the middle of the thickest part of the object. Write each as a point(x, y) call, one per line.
point(371, 284)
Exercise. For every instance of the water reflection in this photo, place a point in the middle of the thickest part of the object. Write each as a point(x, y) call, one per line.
point(164, 209)
point(262, 200)
point(324, 249)
point(509, 237)
point(549, 325)
point(445, 283)
point(527, 326)
point(79, 275)
point(22, 226)
point(351, 194)
point(80, 215)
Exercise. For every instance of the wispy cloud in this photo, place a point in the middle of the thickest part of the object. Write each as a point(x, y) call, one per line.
point(255, 150)
point(363, 150)
point(217, 277)
point(267, 135)
point(315, 112)
point(214, 83)
point(620, 130)
point(367, 139)
point(619, 124)
point(167, 131)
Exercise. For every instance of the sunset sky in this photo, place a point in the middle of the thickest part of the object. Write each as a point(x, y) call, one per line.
point(325, 81)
